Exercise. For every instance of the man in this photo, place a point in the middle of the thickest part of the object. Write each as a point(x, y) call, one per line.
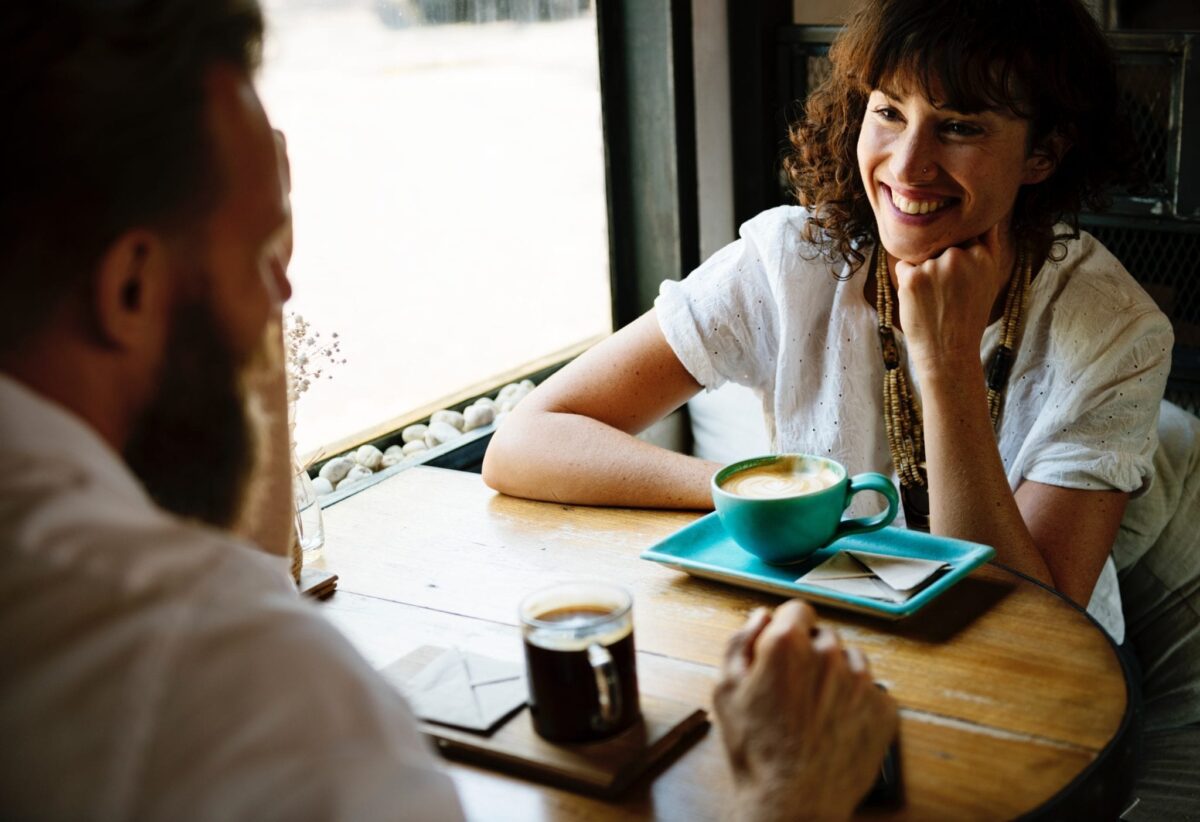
point(158, 662)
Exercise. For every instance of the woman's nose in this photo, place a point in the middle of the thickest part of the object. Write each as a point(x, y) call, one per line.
point(915, 158)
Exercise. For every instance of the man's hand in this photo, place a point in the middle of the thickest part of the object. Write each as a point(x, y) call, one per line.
point(804, 725)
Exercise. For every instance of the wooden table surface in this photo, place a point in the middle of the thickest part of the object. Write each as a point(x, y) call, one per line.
point(1007, 692)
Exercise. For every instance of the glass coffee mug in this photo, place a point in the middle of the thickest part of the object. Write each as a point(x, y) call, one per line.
point(580, 661)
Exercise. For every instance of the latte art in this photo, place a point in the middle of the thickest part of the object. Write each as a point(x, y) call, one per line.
point(782, 479)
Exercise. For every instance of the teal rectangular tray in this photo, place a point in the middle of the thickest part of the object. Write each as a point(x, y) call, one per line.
point(703, 549)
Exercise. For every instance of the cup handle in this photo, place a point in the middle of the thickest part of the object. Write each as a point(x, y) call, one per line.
point(607, 687)
point(870, 481)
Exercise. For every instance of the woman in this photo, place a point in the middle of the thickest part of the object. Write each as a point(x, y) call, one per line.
point(925, 310)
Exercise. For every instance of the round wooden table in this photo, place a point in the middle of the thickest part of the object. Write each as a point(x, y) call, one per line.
point(1013, 701)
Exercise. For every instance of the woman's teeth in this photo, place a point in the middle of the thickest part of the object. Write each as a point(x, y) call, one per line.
point(917, 206)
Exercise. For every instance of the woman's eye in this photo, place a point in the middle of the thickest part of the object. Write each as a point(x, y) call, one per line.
point(887, 113)
point(957, 129)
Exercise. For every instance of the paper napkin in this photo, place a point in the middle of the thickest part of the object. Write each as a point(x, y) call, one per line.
point(875, 576)
point(466, 690)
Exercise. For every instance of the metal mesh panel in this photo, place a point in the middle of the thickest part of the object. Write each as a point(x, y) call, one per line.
point(1145, 90)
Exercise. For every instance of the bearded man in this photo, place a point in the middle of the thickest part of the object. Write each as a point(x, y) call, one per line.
point(158, 663)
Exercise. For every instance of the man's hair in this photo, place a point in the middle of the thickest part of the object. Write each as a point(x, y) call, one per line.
point(105, 131)
point(1043, 60)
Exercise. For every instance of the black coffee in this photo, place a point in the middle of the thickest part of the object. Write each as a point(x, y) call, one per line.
point(564, 696)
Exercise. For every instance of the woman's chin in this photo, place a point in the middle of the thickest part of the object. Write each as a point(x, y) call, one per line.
point(913, 253)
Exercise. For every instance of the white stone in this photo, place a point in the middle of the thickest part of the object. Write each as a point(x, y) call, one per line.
point(336, 469)
point(487, 401)
point(357, 474)
point(508, 403)
point(414, 432)
point(452, 417)
point(369, 457)
point(500, 418)
point(508, 390)
point(528, 385)
point(393, 449)
point(322, 486)
point(393, 458)
point(415, 446)
point(440, 432)
point(478, 416)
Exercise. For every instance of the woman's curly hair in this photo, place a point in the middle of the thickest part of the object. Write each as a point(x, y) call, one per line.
point(1044, 60)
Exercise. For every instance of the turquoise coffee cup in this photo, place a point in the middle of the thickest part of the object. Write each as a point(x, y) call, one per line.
point(783, 507)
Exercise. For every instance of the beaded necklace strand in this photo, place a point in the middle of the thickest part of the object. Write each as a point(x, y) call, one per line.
point(902, 413)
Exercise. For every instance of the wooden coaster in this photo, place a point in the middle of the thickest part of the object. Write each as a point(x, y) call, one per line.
point(317, 583)
point(605, 768)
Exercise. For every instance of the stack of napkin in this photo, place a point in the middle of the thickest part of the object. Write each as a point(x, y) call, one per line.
point(875, 576)
point(466, 690)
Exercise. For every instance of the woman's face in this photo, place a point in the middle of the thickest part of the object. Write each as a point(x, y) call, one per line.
point(938, 178)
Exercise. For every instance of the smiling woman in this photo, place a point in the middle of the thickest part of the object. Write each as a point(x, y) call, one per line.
point(952, 146)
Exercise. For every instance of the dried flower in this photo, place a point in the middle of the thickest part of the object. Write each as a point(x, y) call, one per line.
point(308, 356)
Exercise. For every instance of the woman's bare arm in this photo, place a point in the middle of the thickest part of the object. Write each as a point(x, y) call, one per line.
point(1060, 536)
point(1057, 535)
point(573, 439)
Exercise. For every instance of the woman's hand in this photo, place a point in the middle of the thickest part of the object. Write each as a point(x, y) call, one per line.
point(947, 301)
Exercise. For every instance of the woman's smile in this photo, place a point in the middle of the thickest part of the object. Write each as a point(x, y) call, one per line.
point(924, 207)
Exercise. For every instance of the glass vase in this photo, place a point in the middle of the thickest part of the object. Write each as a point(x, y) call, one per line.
point(310, 528)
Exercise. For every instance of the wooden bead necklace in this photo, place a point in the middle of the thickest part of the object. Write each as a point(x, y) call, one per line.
point(902, 413)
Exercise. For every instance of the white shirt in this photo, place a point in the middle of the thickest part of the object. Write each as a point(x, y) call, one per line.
point(158, 669)
point(769, 312)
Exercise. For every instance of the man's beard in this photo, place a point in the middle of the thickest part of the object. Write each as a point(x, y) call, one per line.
point(196, 445)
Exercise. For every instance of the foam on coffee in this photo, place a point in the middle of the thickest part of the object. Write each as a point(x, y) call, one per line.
point(786, 477)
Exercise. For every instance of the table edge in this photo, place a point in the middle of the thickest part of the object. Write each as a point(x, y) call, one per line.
point(1060, 803)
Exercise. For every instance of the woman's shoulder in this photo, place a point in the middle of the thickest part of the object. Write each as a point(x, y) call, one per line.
point(780, 235)
point(1091, 276)
point(1089, 272)
point(1092, 297)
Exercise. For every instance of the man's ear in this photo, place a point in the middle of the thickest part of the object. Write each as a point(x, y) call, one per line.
point(1045, 157)
point(131, 286)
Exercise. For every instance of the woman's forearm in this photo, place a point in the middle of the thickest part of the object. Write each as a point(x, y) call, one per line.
point(969, 494)
point(573, 458)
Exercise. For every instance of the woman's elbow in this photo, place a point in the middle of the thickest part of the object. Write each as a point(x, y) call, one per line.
point(502, 462)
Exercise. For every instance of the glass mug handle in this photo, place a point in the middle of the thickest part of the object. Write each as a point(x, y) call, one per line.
point(607, 687)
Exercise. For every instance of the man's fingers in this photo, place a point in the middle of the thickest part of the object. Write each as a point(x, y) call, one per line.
point(790, 633)
point(739, 652)
point(857, 661)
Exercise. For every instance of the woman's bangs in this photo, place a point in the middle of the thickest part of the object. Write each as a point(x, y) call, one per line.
point(952, 69)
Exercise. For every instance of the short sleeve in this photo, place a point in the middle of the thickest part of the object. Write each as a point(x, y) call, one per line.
point(722, 320)
point(1097, 430)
